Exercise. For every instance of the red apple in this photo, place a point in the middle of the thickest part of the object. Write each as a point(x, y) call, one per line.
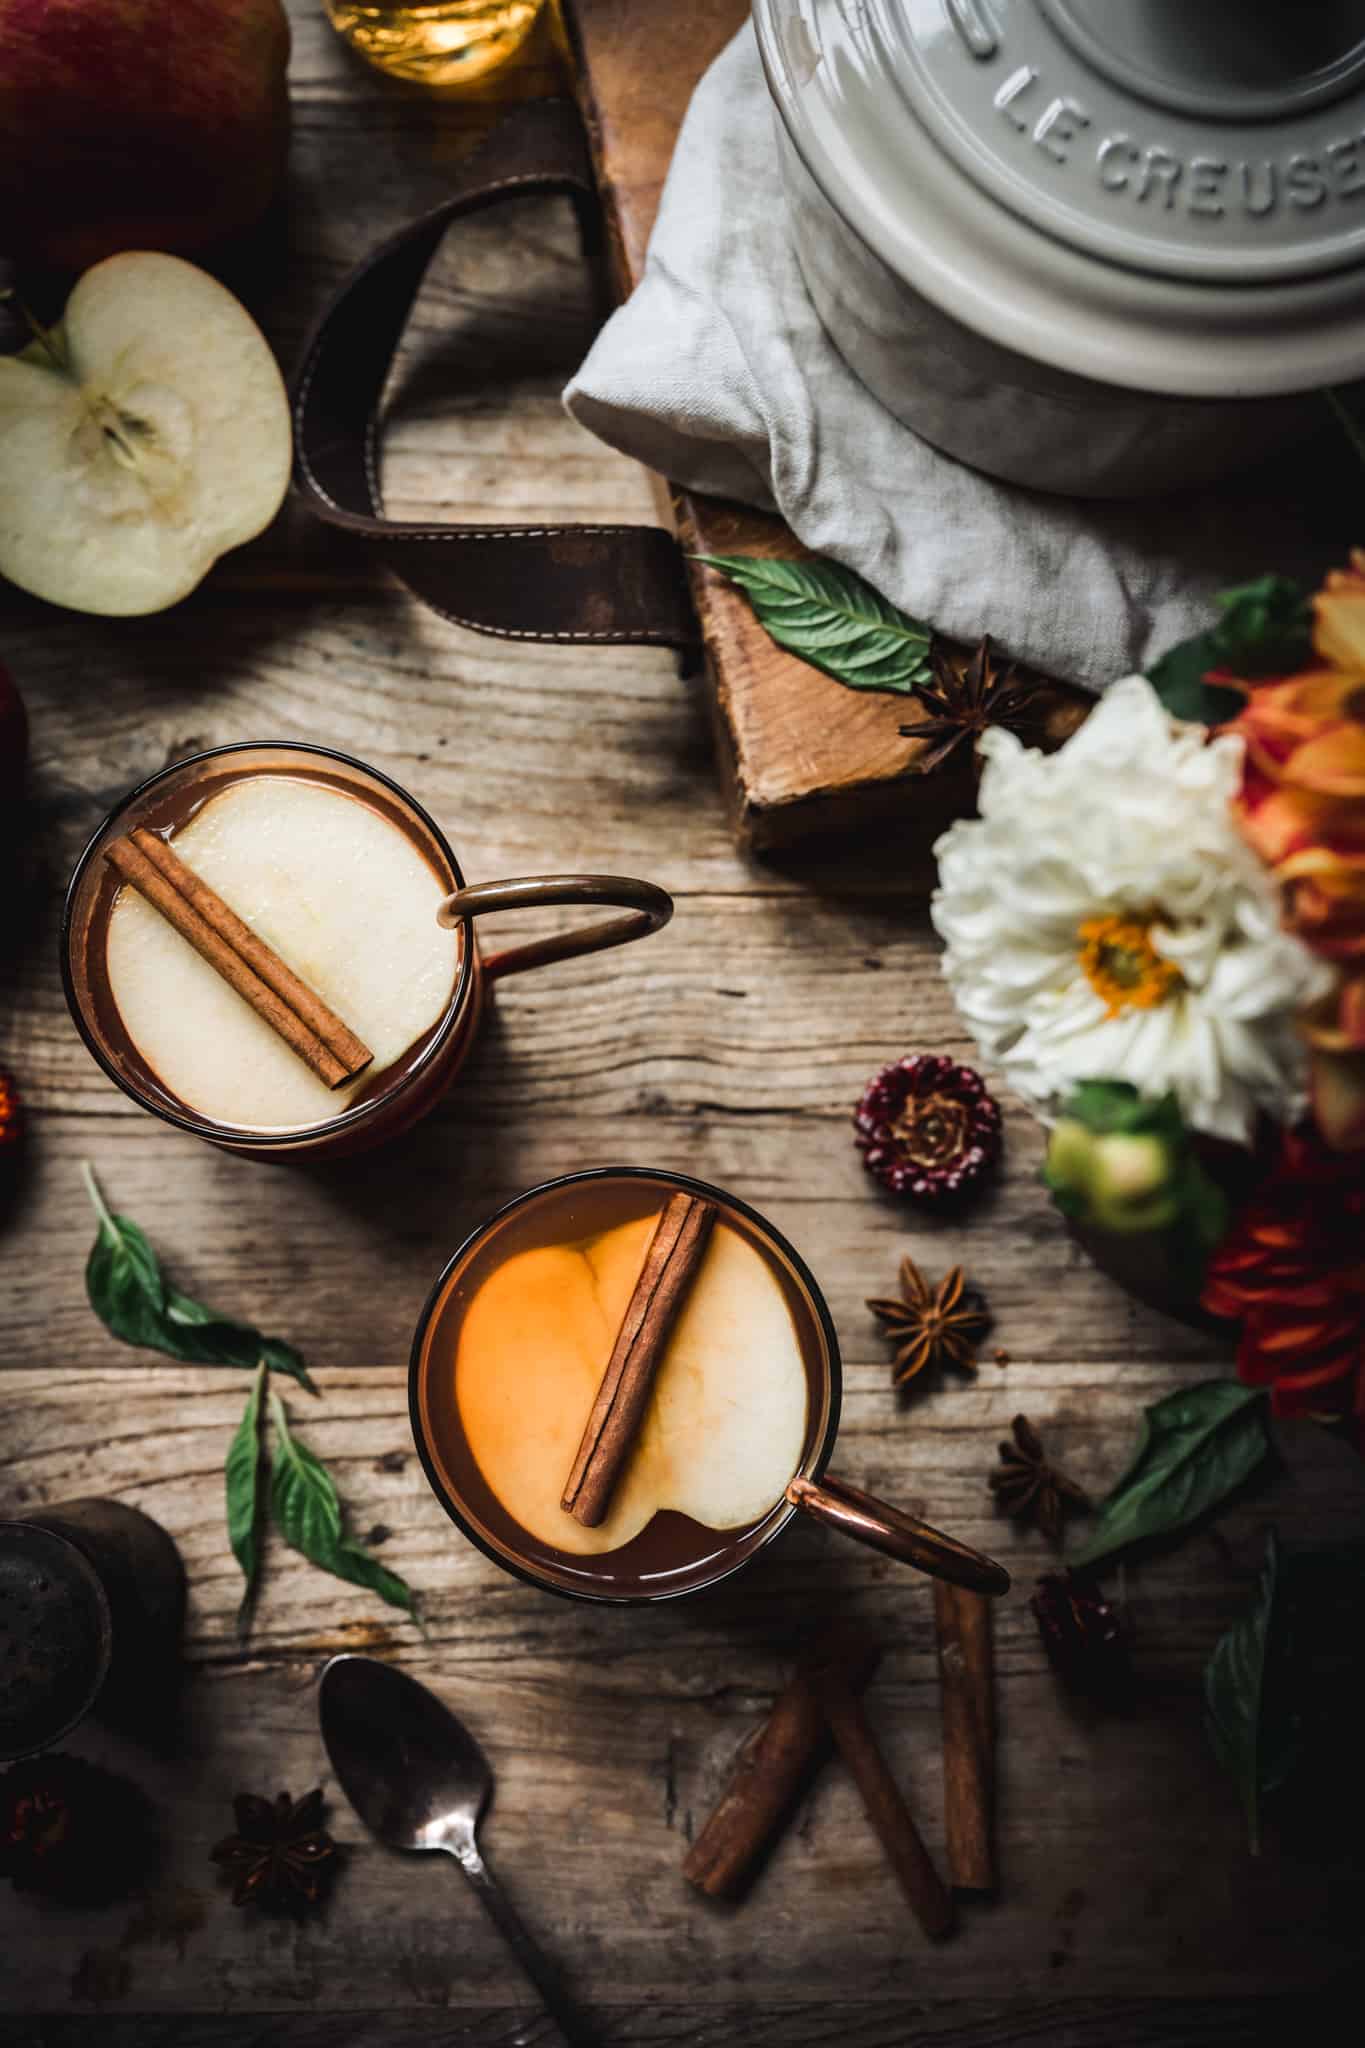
point(13, 743)
point(137, 124)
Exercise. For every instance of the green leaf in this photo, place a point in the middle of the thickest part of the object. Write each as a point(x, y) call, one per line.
point(307, 1511)
point(1196, 1447)
point(128, 1292)
point(832, 619)
point(1265, 630)
point(1117, 1106)
point(1247, 1712)
point(241, 1474)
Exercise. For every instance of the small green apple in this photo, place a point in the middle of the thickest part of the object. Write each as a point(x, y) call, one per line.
point(139, 440)
point(1116, 1181)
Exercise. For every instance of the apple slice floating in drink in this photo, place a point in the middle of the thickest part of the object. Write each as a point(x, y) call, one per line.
point(346, 900)
point(727, 1415)
point(139, 440)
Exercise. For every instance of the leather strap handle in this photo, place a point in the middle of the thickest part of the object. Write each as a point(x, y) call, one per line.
point(596, 584)
point(875, 1522)
point(647, 907)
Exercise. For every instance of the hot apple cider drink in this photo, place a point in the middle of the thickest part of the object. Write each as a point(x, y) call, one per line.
point(272, 946)
point(254, 946)
point(627, 1382)
point(520, 1343)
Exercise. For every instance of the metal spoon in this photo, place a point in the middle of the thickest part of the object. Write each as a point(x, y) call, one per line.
point(418, 1780)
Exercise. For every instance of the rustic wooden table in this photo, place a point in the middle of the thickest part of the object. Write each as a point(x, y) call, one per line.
point(733, 1047)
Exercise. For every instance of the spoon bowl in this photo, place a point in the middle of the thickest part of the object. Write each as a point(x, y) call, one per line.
point(410, 1768)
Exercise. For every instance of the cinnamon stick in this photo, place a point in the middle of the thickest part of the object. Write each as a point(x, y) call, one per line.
point(675, 1251)
point(245, 962)
point(774, 1766)
point(967, 1694)
point(927, 1895)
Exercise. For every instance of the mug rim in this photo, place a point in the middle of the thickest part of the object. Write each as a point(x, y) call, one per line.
point(810, 1467)
point(243, 1137)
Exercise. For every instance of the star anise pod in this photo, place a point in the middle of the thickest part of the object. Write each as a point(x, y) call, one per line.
point(1031, 1489)
point(932, 1325)
point(963, 702)
point(281, 1856)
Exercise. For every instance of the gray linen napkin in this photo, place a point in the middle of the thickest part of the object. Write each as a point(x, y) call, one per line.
point(717, 373)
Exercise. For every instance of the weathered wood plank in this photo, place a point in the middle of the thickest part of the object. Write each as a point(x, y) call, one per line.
point(612, 1733)
point(889, 2023)
point(155, 1434)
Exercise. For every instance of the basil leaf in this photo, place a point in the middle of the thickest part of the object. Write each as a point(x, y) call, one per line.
point(1247, 1715)
point(241, 1474)
point(1265, 630)
point(832, 619)
point(1195, 1447)
point(307, 1511)
point(128, 1292)
point(123, 1280)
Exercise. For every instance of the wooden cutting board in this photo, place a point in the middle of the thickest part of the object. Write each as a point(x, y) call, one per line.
point(803, 756)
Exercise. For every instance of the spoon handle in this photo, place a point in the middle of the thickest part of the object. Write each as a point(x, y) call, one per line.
point(532, 1958)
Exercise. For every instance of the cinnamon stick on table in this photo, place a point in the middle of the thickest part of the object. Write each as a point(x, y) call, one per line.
point(245, 962)
point(966, 1684)
point(775, 1764)
point(675, 1251)
point(929, 1899)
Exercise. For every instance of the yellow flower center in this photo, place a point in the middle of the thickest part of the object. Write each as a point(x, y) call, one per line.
point(1123, 966)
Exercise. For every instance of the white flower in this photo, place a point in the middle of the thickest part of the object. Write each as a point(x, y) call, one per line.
point(1104, 920)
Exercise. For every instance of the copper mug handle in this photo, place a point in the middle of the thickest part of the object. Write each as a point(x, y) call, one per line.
point(647, 909)
point(875, 1522)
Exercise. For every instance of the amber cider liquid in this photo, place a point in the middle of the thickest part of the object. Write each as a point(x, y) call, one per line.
point(165, 812)
point(453, 44)
point(673, 1553)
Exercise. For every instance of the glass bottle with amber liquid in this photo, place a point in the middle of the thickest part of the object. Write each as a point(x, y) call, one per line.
point(474, 46)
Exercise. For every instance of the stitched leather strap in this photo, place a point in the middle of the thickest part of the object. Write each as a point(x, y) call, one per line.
point(588, 583)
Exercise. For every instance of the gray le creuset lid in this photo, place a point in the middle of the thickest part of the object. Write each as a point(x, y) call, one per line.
point(1158, 193)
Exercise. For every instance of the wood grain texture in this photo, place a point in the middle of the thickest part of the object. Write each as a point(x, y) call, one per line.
point(883, 2023)
point(803, 756)
point(733, 1046)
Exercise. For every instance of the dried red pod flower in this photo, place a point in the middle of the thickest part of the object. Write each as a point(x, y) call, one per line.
point(11, 1114)
point(1083, 1637)
point(928, 1128)
point(72, 1831)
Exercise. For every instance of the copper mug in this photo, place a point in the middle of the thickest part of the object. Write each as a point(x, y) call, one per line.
point(416, 1083)
point(575, 1206)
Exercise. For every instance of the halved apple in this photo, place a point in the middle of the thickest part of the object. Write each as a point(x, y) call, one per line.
point(140, 439)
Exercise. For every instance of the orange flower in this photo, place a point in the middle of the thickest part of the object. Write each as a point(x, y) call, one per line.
point(1335, 1030)
point(1339, 616)
point(1302, 808)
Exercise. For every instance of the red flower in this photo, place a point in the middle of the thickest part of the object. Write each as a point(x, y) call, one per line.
point(1292, 1270)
